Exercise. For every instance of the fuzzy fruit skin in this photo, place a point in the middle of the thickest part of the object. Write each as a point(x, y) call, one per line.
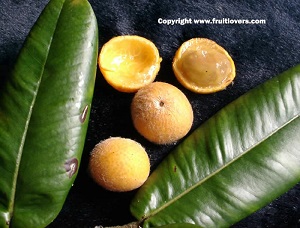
point(161, 113)
point(119, 164)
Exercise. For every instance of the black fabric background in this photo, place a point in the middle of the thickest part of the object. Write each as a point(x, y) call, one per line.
point(259, 51)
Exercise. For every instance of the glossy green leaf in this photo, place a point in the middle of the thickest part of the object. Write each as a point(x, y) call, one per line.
point(180, 225)
point(44, 112)
point(238, 161)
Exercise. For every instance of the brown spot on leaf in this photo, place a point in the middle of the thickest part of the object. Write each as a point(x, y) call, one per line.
point(71, 166)
point(84, 113)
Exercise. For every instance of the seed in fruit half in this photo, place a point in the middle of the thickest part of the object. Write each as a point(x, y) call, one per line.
point(129, 62)
point(203, 66)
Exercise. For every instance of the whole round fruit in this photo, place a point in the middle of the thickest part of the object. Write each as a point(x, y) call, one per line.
point(119, 164)
point(161, 113)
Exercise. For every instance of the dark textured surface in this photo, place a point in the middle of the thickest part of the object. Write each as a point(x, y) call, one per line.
point(260, 52)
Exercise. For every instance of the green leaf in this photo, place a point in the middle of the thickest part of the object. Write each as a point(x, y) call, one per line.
point(180, 225)
point(44, 113)
point(238, 161)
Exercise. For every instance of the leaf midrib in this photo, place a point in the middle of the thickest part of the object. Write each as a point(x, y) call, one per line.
point(219, 169)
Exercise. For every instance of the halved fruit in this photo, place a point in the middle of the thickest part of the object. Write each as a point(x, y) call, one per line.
point(203, 66)
point(129, 62)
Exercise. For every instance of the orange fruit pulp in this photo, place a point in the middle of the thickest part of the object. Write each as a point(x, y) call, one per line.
point(129, 62)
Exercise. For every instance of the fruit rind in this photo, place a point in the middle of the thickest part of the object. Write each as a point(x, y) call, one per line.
point(129, 62)
point(119, 164)
point(161, 113)
point(196, 83)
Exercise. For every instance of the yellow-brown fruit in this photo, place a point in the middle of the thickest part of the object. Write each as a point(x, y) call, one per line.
point(203, 66)
point(119, 164)
point(129, 62)
point(161, 113)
